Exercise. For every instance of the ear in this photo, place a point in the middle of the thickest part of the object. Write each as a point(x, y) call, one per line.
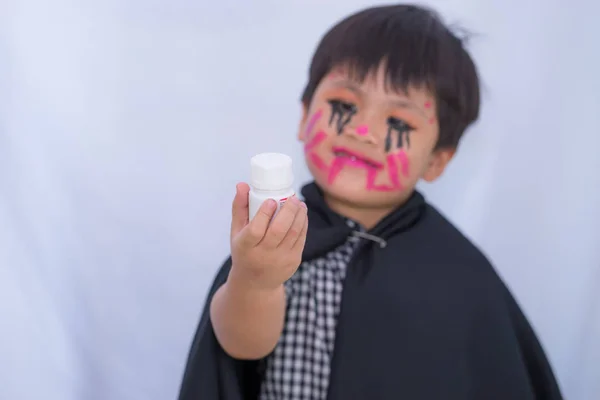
point(302, 124)
point(438, 163)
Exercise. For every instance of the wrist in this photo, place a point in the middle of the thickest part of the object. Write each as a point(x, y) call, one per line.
point(242, 284)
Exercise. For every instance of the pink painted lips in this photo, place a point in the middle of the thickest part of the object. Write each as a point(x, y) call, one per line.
point(355, 159)
point(345, 157)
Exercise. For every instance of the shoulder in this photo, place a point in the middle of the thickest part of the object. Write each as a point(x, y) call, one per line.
point(467, 260)
point(443, 253)
point(445, 241)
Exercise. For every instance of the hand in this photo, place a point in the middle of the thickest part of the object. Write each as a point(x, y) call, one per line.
point(266, 253)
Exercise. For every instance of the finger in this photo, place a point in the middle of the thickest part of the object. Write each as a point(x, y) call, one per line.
point(256, 229)
point(292, 235)
point(239, 208)
point(282, 223)
point(301, 239)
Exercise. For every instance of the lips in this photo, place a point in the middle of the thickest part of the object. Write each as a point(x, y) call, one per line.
point(356, 159)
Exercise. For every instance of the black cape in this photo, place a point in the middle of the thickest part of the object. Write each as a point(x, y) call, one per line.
point(424, 318)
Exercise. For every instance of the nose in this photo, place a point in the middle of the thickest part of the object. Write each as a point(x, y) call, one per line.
point(362, 130)
point(363, 133)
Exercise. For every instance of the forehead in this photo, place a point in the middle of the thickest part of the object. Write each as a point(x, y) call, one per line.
point(375, 82)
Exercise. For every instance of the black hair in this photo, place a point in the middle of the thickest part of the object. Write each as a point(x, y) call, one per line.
point(418, 50)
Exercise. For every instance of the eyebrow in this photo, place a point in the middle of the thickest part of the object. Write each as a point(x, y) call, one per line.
point(407, 104)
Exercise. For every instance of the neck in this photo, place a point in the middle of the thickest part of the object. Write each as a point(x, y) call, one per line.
point(368, 217)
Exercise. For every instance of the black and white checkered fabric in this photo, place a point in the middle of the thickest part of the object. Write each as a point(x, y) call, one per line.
point(299, 367)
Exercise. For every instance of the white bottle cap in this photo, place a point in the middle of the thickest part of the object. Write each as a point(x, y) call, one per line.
point(271, 171)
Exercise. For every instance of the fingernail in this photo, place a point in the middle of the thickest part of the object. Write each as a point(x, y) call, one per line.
point(303, 204)
point(271, 203)
point(295, 200)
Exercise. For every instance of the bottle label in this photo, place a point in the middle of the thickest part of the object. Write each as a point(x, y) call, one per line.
point(280, 204)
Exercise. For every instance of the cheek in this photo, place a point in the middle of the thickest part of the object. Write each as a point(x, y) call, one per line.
point(403, 162)
point(418, 164)
point(312, 122)
point(317, 161)
point(313, 138)
point(313, 141)
point(397, 168)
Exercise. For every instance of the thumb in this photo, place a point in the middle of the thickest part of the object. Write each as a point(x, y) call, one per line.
point(239, 209)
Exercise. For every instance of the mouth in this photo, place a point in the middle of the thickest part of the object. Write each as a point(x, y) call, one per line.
point(356, 159)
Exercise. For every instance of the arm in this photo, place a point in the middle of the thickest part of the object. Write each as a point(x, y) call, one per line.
point(248, 310)
point(247, 321)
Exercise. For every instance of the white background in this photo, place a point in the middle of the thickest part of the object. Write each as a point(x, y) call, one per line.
point(124, 126)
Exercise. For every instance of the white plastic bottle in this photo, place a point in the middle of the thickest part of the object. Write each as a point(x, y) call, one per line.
point(271, 177)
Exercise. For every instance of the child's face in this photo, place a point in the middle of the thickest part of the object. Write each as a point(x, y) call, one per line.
point(368, 145)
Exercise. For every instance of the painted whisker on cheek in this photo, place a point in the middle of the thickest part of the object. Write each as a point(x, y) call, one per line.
point(371, 175)
point(404, 166)
point(393, 170)
point(318, 138)
point(313, 121)
point(318, 161)
point(335, 169)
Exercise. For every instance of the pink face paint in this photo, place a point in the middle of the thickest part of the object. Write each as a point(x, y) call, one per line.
point(312, 122)
point(385, 188)
point(356, 159)
point(362, 130)
point(335, 169)
point(393, 170)
point(371, 175)
point(318, 138)
point(428, 106)
point(403, 162)
point(372, 168)
point(318, 161)
point(393, 174)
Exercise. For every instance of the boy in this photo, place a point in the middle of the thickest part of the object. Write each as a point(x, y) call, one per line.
point(380, 297)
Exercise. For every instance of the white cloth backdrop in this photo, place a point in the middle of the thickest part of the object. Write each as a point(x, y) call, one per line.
point(125, 124)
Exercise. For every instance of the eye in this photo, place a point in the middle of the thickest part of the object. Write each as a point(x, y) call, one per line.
point(402, 130)
point(343, 106)
point(399, 125)
point(341, 114)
